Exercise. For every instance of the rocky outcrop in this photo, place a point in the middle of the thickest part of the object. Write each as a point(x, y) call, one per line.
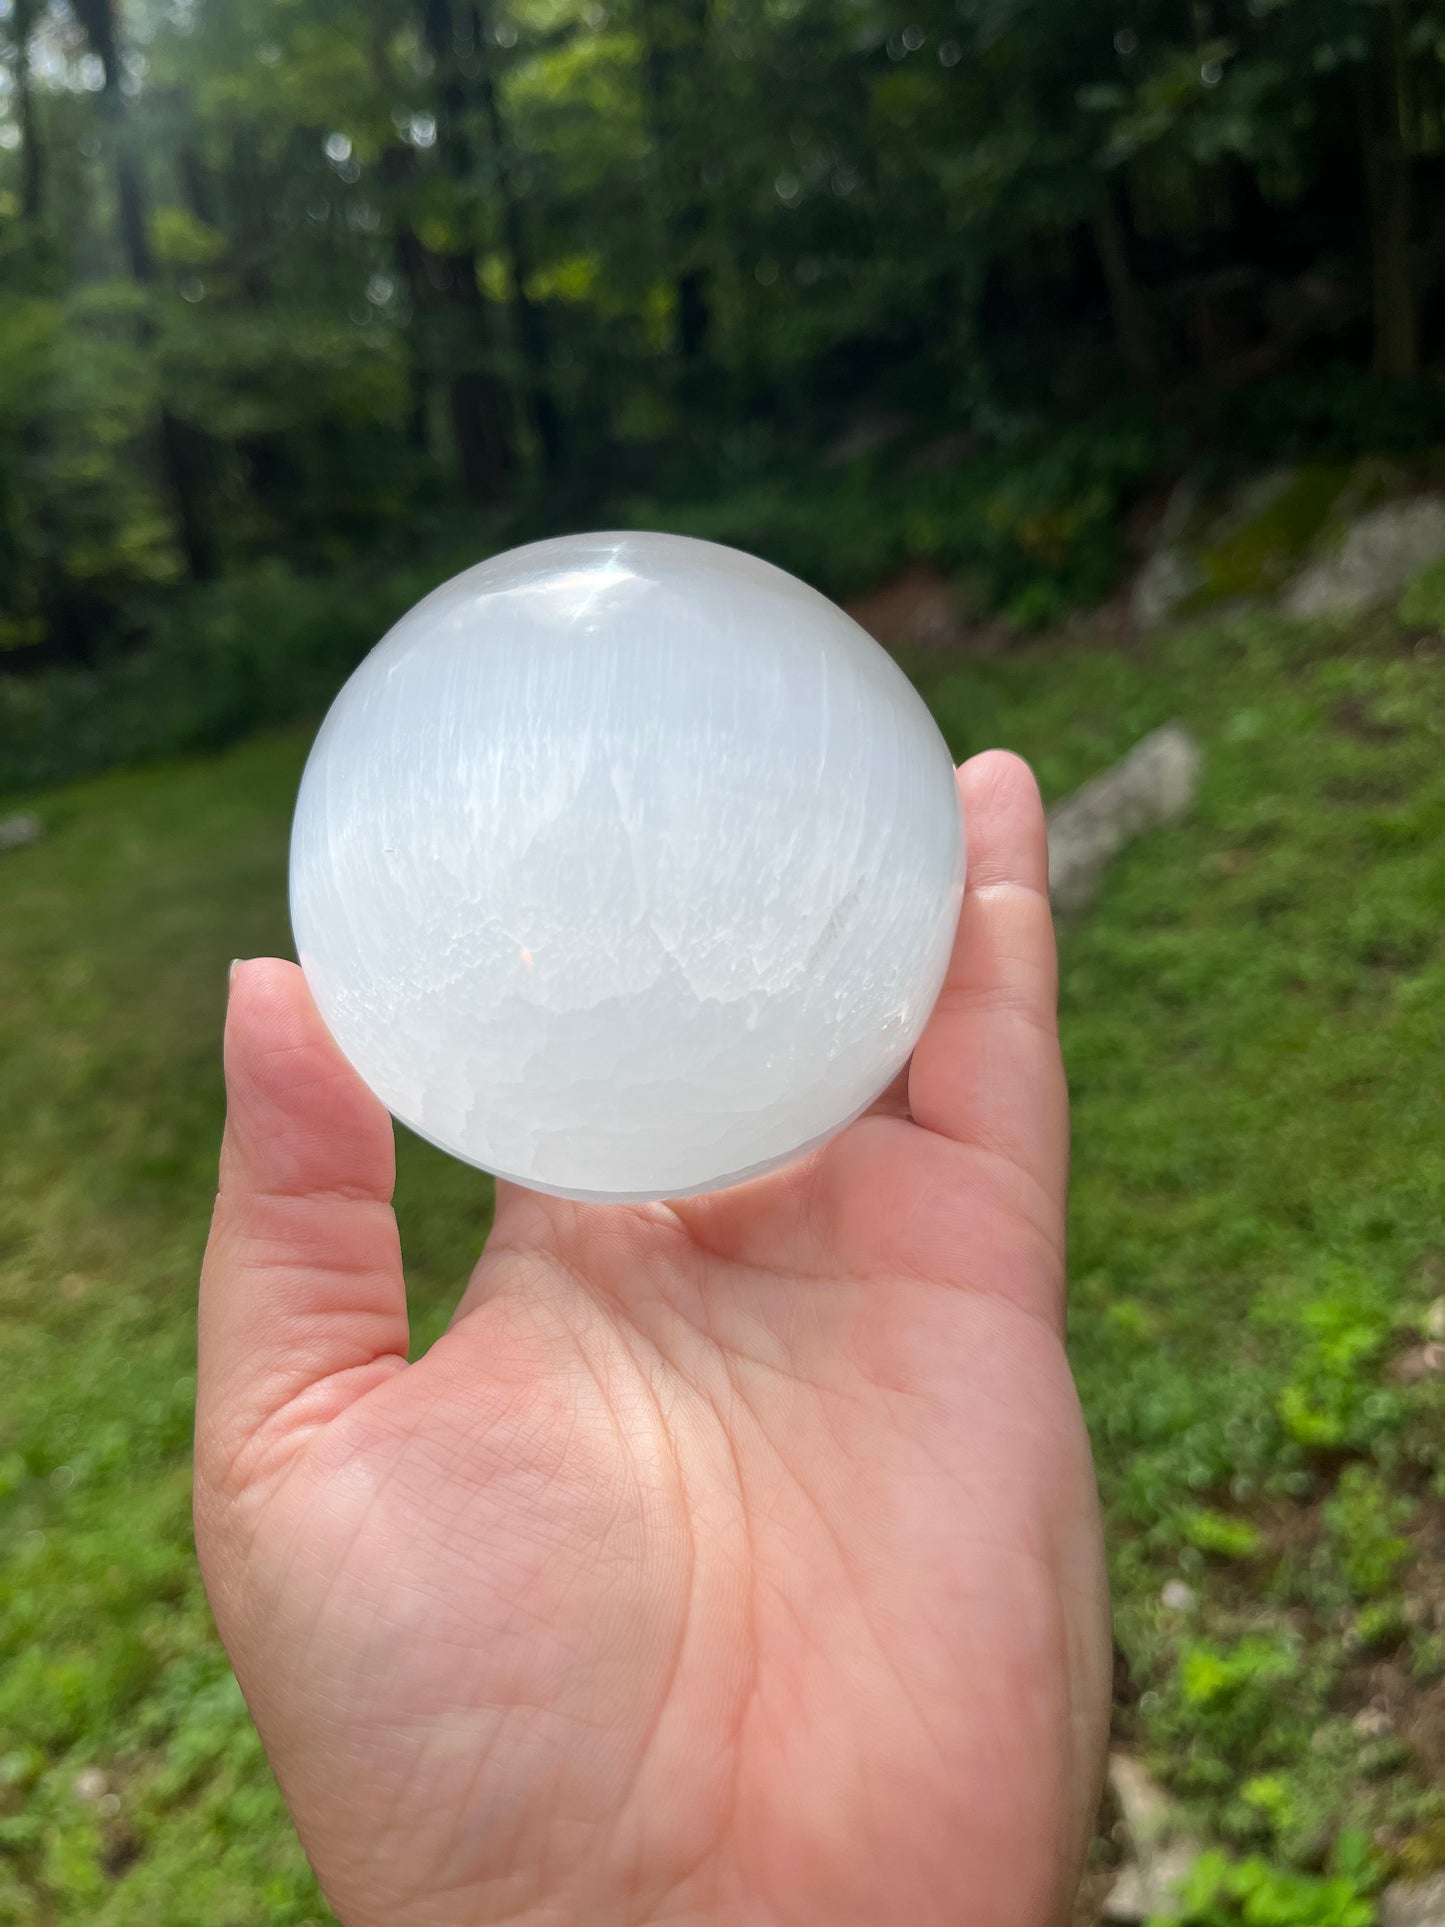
point(1161, 1853)
point(1375, 559)
point(17, 831)
point(1155, 783)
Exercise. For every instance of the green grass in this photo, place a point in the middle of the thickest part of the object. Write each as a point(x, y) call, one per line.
point(1254, 1033)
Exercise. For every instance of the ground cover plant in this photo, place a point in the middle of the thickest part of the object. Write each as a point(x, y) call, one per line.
point(1253, 1024)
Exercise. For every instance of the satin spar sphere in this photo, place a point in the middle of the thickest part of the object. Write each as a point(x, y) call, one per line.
point(626, 866)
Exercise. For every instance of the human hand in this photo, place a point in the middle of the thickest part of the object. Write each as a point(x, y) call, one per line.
point(735, 1560)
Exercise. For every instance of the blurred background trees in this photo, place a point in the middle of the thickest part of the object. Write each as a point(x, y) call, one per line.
point(974, 310)
point(317, 281)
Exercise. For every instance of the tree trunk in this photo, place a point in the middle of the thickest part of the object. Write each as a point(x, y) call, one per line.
point(409, 256)
point(480, 435)
point(130, 204)
point(250, 220)
point(449, 322)
point(183, 453)
point(196, 185)
point(1389, 191)
point(1397, 340)
point(694, 310)
point(1131, 324)
point(448, 287)
point(32, 158)
point(531, 323)
point(476, 401)
point(676, 42)
point(184, 457)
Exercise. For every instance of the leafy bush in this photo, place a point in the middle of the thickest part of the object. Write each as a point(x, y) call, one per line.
point(1330, 1403)
point(1222, 1536)
point(1034, 528)
point(1252, 1893)
point(260, 648)
point(835, 532)
point(1361, 1519)
point(1379, 1625)
point(1329, 413)
point(1423, 604)
point(1230, 1690)
point(1033, 525)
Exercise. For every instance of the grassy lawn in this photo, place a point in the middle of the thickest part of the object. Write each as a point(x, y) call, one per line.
point(1253, 1019)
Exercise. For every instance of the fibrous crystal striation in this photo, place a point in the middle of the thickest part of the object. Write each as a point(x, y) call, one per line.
point(626, 866)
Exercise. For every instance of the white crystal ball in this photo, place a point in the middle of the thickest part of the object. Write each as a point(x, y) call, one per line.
point(626, 866)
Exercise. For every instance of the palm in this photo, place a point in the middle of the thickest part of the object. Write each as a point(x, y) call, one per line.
point(734, 1560)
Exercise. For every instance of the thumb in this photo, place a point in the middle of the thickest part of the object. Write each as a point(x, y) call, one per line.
point(303, 1306)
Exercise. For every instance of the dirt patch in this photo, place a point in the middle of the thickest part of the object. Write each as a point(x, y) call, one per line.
point(919, 609)
point(1392, 1704)
point(1382, 1690)
point(1422, 1728)
point(1351, 717)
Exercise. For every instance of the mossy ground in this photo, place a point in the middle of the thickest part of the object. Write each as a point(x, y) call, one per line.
point(1253, 1023)
point(1255, 553)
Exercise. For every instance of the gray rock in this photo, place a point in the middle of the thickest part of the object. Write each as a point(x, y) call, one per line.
point(1419, 1363)
point(1162, 1854)
point(1373, 1722)
point(1149, 1890)
point(1180, 512)
point(1192, 536)
point(1155, 783)
point(17, 831)
point(1414, 1903)
point(1162, 587)
point(1377, 557)
point(1146, 1809)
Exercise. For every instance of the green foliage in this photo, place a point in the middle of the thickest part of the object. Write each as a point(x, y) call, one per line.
point(1328, 1403)
point(1039, 528)
point(1423, 604)
point(272, 642)
point(843, 536)
point(84, 534)
point(182, 240)
point(1252, 1893)
point(1361, 1519)
point(261, 648)
point(1255, 557)
point(1033, 528)
point(1226, 1694)
point(112, 973)
point(374, 264)
point(1329, 414)
point(1221, 1535)
point(1245, 1244)
point(1379, 1626)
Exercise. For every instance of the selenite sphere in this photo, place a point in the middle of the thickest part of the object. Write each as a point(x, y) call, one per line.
point(626, 866)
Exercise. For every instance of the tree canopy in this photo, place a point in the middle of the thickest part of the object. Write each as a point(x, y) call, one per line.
point(311, 276)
